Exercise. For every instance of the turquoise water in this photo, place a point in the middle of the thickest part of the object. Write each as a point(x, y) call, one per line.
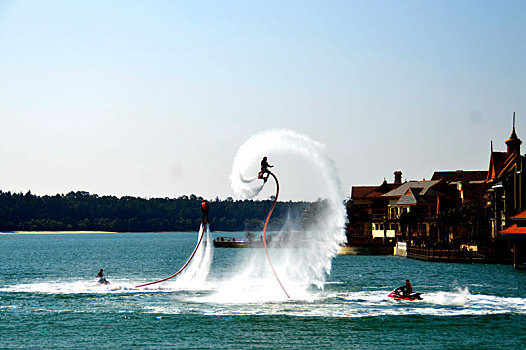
point(49, 300)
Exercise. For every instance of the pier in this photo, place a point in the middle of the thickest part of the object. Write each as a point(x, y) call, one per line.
point(459, 256)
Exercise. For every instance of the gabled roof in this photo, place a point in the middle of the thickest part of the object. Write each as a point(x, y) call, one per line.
point(496, 162)
point(371, 192)
point(386, 187)
point(460, 175)
point(424, 186)
point(500, 164)
point(360, 192)
point(509, 163)
point(411, 197)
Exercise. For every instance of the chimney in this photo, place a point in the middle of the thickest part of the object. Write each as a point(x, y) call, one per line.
point(398, 177)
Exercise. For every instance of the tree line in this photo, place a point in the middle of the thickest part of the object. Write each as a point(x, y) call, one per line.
point(82, 211)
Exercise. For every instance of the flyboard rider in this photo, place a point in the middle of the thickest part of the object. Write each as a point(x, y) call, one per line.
point(204, 209)
point(264, 169)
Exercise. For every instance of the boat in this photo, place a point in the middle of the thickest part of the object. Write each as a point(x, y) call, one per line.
point(399, 295)
point(232, 242)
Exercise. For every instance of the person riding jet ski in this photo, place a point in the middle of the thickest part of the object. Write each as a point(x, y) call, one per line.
point(406, 289)
point(100, 278)
point(405, 292)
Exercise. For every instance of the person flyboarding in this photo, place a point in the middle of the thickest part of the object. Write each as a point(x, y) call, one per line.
point(261, 175)
point(204, 209)
point(264, 169)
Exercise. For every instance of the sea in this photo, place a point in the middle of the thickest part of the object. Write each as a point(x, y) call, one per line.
point(49, 299)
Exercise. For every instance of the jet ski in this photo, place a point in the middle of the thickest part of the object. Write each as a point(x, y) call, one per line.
point(398, 294)
point(102, 280)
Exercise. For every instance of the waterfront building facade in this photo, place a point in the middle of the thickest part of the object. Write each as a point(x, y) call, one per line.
point(367, 210)
point(413, 209)
point(506, 180)
point(469, 208)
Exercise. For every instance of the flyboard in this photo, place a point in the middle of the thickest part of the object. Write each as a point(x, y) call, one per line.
point(201, 234)
point(265, 234)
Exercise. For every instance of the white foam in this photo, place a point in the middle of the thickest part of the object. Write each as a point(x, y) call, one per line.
point(342, 304)
point(362, 304)
point(195, 275)
point(72, 287)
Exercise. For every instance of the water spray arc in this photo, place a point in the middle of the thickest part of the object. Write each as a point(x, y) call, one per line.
point(201, 234)
point(265, 233)
point(300, 269)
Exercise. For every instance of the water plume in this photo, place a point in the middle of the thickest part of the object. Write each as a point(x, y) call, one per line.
point(304, 257)
point(198, 250)
point(194, 276)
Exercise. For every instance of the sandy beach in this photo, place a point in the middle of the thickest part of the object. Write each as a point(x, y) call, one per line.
point(51, 232)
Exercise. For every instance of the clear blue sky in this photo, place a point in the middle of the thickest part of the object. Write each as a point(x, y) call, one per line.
point(153, 98)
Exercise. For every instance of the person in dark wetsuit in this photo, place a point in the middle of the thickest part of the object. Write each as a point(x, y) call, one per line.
point(264, 169)
point(100, 274)
point(406, 289)
point(204, 210)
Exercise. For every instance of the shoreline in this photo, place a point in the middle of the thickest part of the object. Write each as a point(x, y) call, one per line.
point(79, 232)
point(52, 232)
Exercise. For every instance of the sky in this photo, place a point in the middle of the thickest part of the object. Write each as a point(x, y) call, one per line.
point(154, 98)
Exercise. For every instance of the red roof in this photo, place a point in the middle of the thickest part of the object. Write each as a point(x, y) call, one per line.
point(521, 215)
point(460, 175)
point(514, 230)
point(519, 228)
point(359, 192)
point(363, 192)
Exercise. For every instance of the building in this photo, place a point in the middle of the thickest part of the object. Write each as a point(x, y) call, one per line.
point(414, 211)
point(367, 206)
point(470, 184)
point(506, 181)
point(414, 206)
